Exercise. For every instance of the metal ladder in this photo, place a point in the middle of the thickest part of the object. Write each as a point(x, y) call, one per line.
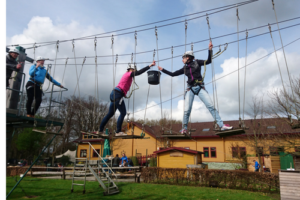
point(104, 178)
point(76, 174)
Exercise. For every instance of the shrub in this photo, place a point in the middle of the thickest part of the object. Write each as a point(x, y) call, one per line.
point(134, 160)
point(153, 162)
point(64, 160)
point(233, 179)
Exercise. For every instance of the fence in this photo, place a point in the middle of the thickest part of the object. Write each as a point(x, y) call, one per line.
point(144, 160)
point(233, 179)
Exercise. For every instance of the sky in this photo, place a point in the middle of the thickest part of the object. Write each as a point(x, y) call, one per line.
point(32, 21)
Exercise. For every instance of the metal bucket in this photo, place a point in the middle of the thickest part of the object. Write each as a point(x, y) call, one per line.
point(153, 77)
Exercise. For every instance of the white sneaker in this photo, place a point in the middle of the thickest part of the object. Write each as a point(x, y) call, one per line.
point(120, 134)
point(226, 127)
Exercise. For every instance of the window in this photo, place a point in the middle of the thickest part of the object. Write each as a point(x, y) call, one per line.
point(274, 151)
point(90, 136)
point(95, 154)
point(83, 153)
point(206, 152)
point(271, 127)
point(235, 152)
point(84, 136)
point(206, 129)
point(213, 152)
point(242, 152)
point(259, 151)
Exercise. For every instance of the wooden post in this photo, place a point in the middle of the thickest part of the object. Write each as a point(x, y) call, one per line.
point(31, 172)
point(135, 175)
point(64, 174)
point(146, 158)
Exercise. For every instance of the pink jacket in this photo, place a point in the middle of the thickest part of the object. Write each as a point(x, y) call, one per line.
point(125, 82)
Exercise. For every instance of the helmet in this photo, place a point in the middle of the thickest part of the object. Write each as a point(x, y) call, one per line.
point(40, 58)
point(131, 66)
point(188, 53)
point(14, 51)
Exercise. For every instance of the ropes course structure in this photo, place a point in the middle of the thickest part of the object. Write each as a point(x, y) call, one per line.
point(133, 87)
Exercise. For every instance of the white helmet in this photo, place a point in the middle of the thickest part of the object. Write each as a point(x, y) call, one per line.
point(188, 53)
point(131, 66)
point(14, 51)
point(40, 58)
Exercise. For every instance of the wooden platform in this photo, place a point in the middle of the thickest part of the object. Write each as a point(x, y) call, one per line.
point(176, 135)
point(12, 120)
point(46, 132)
point(237, 131)
point(113, 136)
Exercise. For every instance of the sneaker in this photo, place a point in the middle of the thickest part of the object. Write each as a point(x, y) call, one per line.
point(100, 133)
point(183, 131)
point(120, 134)
point(226, 127)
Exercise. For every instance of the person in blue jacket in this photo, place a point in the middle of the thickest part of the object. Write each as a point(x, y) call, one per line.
point(37, 73)
point(256, 165)
point(124, 158)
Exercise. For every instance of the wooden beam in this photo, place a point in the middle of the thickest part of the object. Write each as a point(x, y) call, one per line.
point(46, 132)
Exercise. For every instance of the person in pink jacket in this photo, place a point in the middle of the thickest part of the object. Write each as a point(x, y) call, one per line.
point(116, 97)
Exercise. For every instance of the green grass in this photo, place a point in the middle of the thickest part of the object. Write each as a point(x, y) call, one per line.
point(60, 189)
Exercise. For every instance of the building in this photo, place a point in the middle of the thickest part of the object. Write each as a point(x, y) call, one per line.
point(264, 137)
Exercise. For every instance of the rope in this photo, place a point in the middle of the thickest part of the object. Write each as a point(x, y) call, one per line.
point(213, 76)
point(185, 25)
point(228, 73)
point(237, 22)
point(287, 67)
point(135, 38)
point(171, 89)
point(245, 79)
point(278, 65)
point(161, 110)
point(92, 36)
point(113, 62)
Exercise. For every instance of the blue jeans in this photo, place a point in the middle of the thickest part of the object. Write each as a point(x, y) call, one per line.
point(204, 97)
point(112, 109)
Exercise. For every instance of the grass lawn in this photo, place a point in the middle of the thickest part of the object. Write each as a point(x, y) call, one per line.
point(60, 189)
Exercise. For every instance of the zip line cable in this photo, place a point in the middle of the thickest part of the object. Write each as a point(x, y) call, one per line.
point(90, 37)
point(169, 58)
point(182, 45)
point(230, 72)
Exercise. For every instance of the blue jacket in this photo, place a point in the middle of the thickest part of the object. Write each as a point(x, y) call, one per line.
point(38, 75)
point(257, 165)
point(124, 158)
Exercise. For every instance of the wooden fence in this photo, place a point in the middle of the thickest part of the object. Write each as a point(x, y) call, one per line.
point(289, 185)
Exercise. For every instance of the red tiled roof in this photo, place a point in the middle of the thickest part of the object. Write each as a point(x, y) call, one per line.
point(178, 149)
point(255, 126)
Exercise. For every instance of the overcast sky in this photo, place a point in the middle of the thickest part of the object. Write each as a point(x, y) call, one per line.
point(40, 21)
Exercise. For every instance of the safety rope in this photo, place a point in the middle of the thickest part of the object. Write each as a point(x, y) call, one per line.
point(239, 96)
point(143, 125)
point(287, 67)
point(184, 92)
point(161, 110)
point(77, 85)
point(278, 64)
point(213, 76)
point(171, 90)
point(113, 63)
point(245, 80)
point(135, 38)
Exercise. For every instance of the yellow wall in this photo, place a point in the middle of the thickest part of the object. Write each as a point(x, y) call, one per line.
point(222, 145)
point(211, 142)
point(89, 151)
point(165, 161)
